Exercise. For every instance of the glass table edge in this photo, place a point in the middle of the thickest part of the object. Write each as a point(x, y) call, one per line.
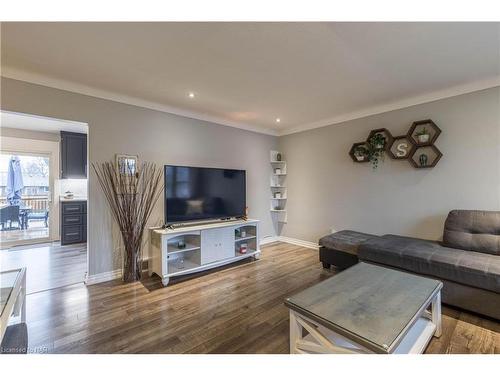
point(20, 272)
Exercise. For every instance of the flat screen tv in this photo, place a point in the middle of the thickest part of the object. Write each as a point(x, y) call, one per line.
point(197, 194)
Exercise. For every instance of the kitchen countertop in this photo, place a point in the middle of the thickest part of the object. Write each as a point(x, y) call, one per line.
point(74, 199)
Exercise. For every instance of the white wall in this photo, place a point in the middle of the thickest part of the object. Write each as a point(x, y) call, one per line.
point(327, 191)
point(155, 136)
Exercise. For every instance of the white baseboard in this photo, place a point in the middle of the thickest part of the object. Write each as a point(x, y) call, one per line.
point(296, 241)
point(268, 240)
point(102, 277)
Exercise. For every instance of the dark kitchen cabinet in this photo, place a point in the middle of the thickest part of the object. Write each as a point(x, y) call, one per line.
point(73, 222)
point(73, 155)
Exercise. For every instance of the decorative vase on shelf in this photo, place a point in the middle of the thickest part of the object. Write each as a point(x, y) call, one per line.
point(180, 263)
point(278, 157)
point(423, 160)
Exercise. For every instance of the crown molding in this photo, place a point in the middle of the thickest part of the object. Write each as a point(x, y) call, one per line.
point(42, 80)
point(21, 75)
point(400, 104)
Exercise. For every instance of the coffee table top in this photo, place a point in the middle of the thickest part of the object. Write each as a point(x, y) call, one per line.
point(371, 305)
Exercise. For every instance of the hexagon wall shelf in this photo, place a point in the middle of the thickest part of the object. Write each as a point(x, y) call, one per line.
point(425, 156)
point(419, 151)
point(401, 148)
point(386, 134)
point(432, 129)
point(353, 156)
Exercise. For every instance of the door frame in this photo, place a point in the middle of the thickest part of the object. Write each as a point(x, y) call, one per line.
point(50, 149)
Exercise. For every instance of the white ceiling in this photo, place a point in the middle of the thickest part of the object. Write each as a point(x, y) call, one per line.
point(248, 74)
point(41, 124)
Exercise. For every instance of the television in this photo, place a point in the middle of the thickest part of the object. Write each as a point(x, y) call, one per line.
point(198, 194)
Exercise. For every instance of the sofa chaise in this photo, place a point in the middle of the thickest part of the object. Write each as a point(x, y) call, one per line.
point(467, 261)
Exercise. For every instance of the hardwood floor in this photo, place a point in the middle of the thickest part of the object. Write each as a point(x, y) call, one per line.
point(48, 265)
point(237, 309)
point(36, 231)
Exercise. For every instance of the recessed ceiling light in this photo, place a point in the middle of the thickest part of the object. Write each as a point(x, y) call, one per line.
point(191, 95)
point(278, 120)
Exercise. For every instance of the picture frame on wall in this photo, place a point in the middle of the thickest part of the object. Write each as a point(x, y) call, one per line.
point(127, 164)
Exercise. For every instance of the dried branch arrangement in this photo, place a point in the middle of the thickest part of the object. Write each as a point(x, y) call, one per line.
point(131, 197)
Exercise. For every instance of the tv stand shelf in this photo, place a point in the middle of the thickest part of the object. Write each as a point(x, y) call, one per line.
point(207, 245)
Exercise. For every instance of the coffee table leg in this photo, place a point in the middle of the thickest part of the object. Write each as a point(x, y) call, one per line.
point(295, 330)
point(436, 313)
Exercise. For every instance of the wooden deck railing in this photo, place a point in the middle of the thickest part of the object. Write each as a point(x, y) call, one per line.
point(37, 203)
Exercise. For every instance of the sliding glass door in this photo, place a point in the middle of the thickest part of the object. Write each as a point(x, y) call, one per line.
point(25, 198)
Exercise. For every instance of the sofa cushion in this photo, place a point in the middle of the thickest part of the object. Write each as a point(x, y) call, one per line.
point(345, 240)
point(431, 258)
point(473, 230)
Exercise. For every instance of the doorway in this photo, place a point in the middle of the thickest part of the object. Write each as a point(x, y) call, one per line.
point(33, 191)
point(26, 185)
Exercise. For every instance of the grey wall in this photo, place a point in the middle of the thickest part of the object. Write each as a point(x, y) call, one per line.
point(326, 190)
point(29, 134)
point(155, 136)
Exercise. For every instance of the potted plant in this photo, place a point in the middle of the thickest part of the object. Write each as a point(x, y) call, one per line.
point(376, 148)
point(360, 153)
point(423, 135)
point(377, 141)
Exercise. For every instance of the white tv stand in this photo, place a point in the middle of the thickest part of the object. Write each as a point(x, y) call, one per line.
point(206, 246)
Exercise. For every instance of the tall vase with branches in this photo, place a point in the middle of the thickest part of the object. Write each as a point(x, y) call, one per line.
point(131, 196)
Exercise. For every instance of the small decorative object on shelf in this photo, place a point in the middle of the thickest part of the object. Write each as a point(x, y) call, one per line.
point(243, 233)
point(401, 147)
point(423, 160)
point(243, 248)
point(380, 138)
point(180, 263)
point(423, 135)
point(377, 141)
point(424, 132)
point(277, 195)
point(359, 152)
point(376, 147)
point(277, 171)
point(181, 244)
point(278, 157)
point(69, 195)
point(425, 156)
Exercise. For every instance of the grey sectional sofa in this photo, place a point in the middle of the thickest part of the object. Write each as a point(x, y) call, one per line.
point(467, 261)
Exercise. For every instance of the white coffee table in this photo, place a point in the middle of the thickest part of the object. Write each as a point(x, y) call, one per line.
point(366, 309)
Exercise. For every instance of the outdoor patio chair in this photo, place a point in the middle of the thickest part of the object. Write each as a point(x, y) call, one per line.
point(39, 215)
point(9, 214)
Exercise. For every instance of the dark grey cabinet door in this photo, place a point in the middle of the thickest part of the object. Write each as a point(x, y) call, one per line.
point(73, 155)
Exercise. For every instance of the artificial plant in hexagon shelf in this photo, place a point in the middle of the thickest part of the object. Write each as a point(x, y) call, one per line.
point(375, 150)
